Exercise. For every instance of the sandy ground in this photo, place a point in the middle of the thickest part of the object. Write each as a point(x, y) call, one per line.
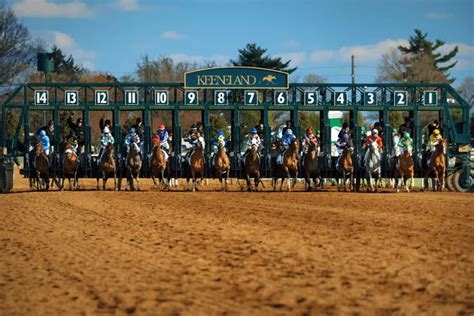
point(213, 253)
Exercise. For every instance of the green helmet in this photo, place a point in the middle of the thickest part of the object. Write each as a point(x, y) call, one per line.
point(394, 130)
point(406, 135)
point(362, 129)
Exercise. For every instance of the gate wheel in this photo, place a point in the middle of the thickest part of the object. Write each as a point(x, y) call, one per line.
point(449, 182)
point(460, 187)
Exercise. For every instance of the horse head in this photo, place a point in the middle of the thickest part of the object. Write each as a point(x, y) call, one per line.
point(373, 146)
point(134, 148)
point(294, 145)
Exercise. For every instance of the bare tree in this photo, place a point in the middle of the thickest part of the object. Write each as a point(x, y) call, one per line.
point(314, 78)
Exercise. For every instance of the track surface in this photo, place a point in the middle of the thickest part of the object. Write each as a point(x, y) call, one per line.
point(212, 253)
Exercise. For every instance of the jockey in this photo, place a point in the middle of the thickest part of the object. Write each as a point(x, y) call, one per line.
point(45, 143)
point(132, 137)
point(406, 143)
point(309, 138)
point(395, 142)
point(344, 139)
point(434, 140)
point(218, 141)
point(105, 138)
point(374, 137)
point(288, 137)
point(252, 139)
point(162, 133)
point(194, 138)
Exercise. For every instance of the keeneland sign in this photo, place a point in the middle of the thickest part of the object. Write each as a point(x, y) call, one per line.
point(236, 78)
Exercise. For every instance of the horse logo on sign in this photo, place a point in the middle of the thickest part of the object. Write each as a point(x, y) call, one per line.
point(269, 78)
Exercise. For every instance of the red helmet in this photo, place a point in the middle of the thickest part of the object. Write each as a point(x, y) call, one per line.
point(161, 127)
point(309, 131)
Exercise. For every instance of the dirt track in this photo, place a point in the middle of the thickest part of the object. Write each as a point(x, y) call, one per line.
point(235, 253)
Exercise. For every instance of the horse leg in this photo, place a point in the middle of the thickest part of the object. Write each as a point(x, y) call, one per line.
point(248, 183)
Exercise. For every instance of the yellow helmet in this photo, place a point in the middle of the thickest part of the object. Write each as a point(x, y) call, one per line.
point(436, 132)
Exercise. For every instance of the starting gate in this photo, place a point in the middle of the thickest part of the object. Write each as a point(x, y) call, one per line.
point(234, 90)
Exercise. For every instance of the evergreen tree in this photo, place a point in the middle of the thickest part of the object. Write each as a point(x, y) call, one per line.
point(253, 56)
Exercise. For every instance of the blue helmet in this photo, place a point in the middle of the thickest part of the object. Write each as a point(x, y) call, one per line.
point(42, 133)
point(253, 130)
point(220, 133)
point(132, 130)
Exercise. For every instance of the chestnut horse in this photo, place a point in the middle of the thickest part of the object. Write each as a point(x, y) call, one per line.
point(311, 166)
point(107, 167)
point(160, 167)
point(195, 166)
point(406, 171)
point(437, 166)
point(345, 169)
point(289, 168)
point(252, 167)
point(133, 167)
point(70, 167)
point(41, 169)
point(222, 166)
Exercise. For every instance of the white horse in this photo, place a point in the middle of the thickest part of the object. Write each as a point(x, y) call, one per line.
point(373, 166)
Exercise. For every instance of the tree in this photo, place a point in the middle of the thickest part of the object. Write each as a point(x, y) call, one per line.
point(253, 56)
point(16, 53)
point(163, 69)
point(65, 66)
point(467, 90)
point(314, 78)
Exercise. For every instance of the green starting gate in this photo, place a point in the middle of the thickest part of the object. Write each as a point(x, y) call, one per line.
point(237, 89)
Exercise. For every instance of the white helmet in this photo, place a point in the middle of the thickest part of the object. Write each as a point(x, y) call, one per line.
point(106, 130)
point(289, 132)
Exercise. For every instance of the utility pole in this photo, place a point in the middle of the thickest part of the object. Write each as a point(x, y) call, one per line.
point(353, 70)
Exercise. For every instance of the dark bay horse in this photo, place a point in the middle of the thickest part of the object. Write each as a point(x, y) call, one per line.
point(437, 166)
point(289, 169)
point(160, 167)
point(41, 169)
point(107, 167)
point(195, 166)
point(222, 167)
point(311, 166)
point(345, 169)
point(70, 167)
point(252, 167)
point(133, 165)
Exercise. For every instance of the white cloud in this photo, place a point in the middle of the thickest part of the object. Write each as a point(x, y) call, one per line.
point(69, 47)
point(291, 43)
point(364, 53)
point(219, 59)
point(172, 35)
point(128, 5)
point(47, 9)
point(296, 58)
point(436, 15)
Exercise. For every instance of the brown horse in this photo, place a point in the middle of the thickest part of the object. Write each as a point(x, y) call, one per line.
point(70, 167)
point(311, 166)
point(222, 167)
point(42, 168)
point(107, 167)
point(345, 169)
point(437, 166)
point(289, 168)
point(252, 167)
point(160, 167)
point(195, 167)
point(133, 167)
point(406, 171)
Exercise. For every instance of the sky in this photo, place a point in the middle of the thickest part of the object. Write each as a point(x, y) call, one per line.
point(319, 36)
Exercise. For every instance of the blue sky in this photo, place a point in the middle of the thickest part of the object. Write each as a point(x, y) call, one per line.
point(318, 36)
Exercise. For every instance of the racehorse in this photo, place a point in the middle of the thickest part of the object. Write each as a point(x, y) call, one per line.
point(160, 167)
point(70, 167)
point(406, 171)
point(195, 166)
point(41, 169)
point(373, 167)
point(252, 167)
point(289, 168)
point(132, 167)
point(222, 166)
point(437, 166)
point(311, 166)
point(345, 169)
point(107, 167)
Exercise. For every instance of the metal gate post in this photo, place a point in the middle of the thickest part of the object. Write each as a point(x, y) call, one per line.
point(207, 137)
point(26, 126)
point(176, 139)
point(236, 140)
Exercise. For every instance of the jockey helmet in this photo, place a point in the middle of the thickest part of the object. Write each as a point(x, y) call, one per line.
point(220, 133)
point(394, 130)
point(309, 131)
point(161, 127)
point(43, 133)
point(132, 130)
point(253, 130)
point(193, 127)
point(362, 129)
point(289, 132)
point(436, 132)
point(106, 130)
point(406, 135)
point(318, 132)
point(375, 131)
